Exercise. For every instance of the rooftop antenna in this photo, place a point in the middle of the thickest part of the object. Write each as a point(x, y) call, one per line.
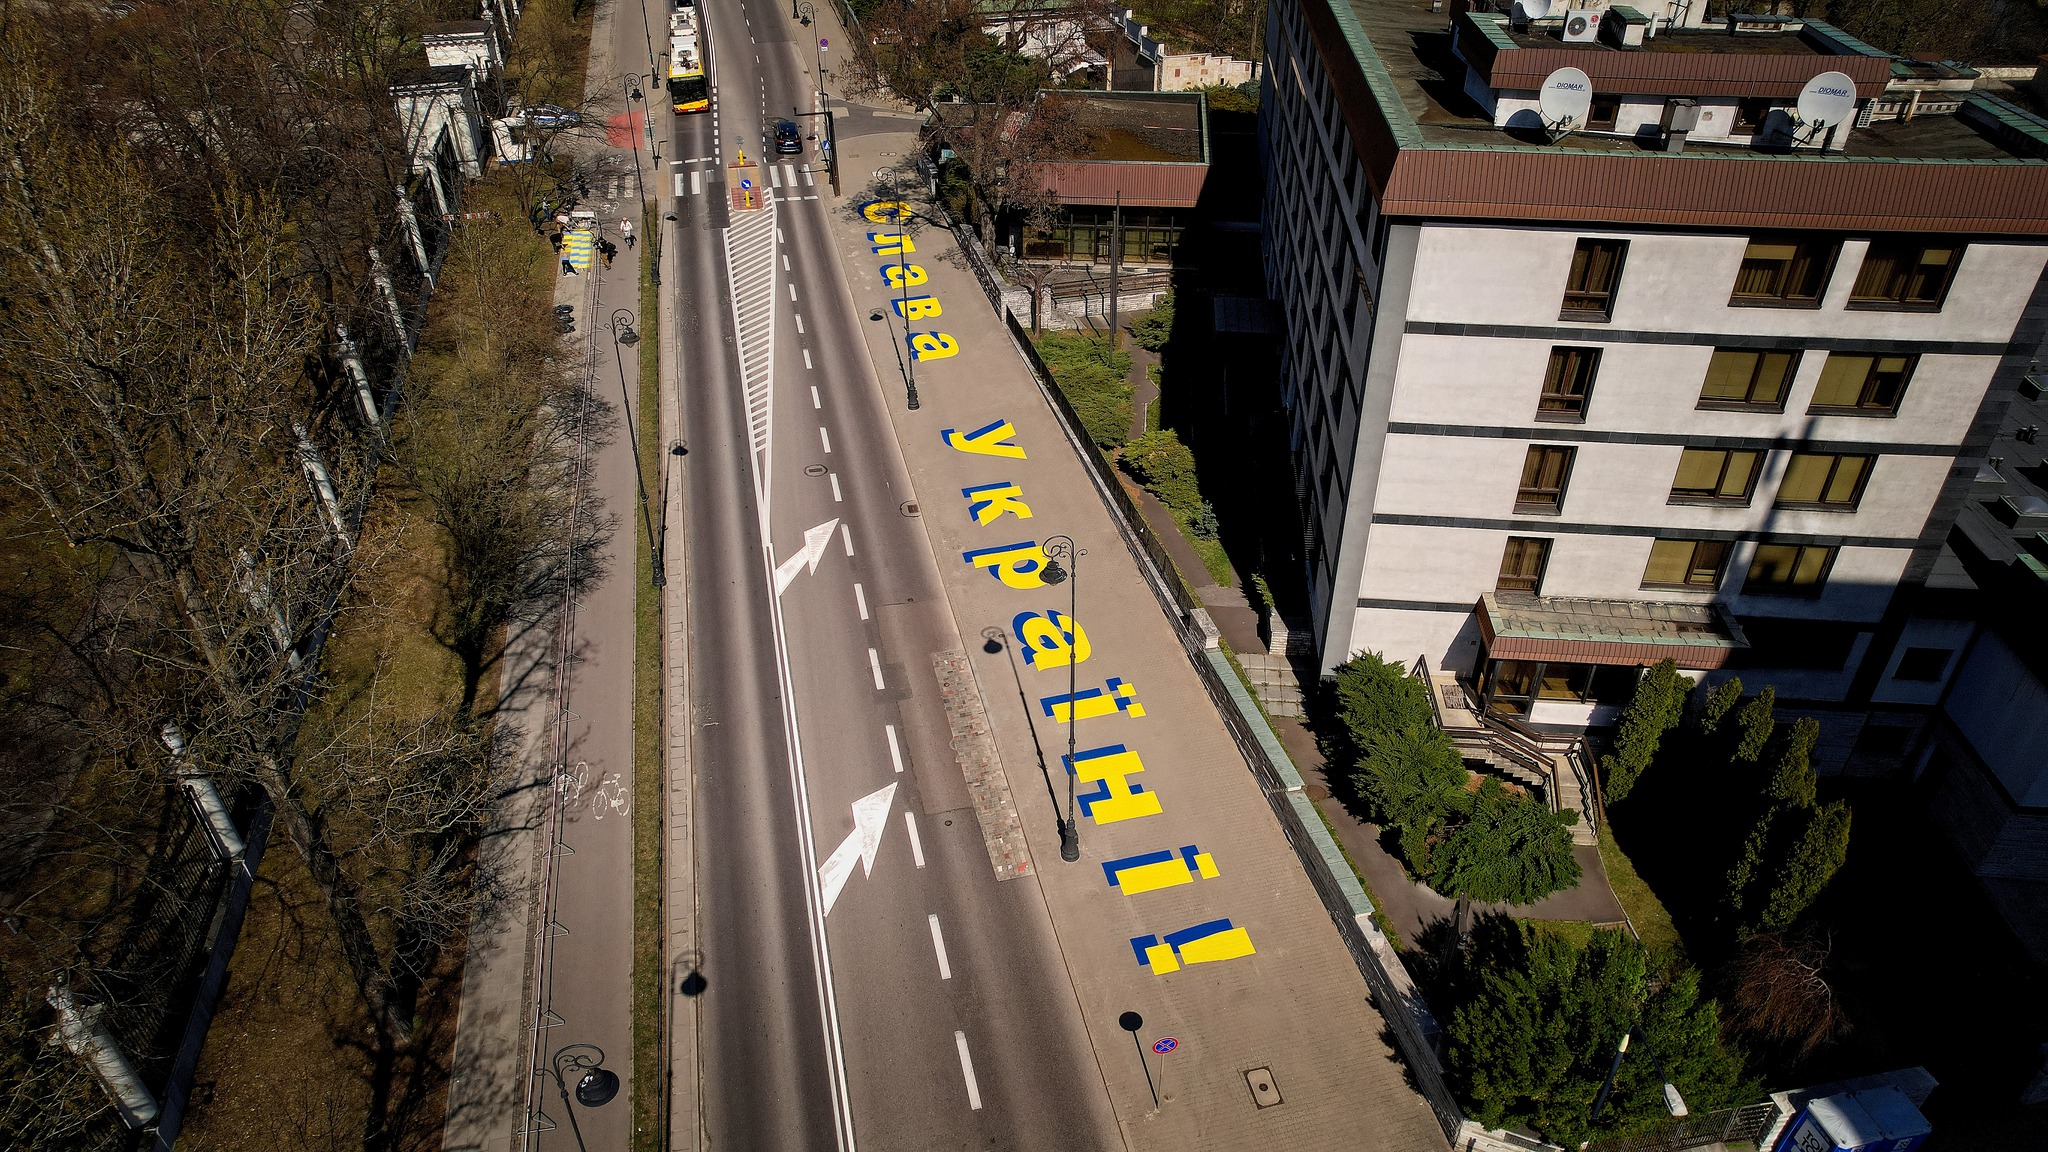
point(1826, 103)
point(1564, 99)
point(1525, 11)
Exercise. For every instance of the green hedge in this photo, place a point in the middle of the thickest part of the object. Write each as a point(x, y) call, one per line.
point(1095, 380)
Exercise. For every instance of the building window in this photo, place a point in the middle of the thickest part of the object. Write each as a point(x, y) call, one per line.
point(1568, 384)
point(1604, 112)
point(1715, 476)
point(1741, 379)
point(1923, 664)
point(1691, 565)
point(1521, 566)
point(1589, 286)
point(1824, 480)
point(1785, 270)
point(1853, 384)
point(1750, 114)
point(1545, 472)
point(1789, 570)
point(1906, 274)
point(1776, 642)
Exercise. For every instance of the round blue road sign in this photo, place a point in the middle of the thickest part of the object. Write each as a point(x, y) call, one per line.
point(746, 183)
point(823, 43)
point(1165, 1044)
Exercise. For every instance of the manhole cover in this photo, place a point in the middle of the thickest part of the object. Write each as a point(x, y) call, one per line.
point(910, 508)
point(814, 470)
point(1265, 1090)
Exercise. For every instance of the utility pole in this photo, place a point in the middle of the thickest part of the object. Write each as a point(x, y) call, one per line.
point(1116, 260)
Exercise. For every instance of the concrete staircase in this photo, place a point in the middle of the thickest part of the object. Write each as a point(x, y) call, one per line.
point(1548, 766)
point(1275, 682)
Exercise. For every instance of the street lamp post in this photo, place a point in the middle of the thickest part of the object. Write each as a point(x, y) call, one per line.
point(631, 80)
point(903, 295)
point(594, 1088)
point(623, 337)
point(1056, 549)
point(1673, 1102)
point(806, 15)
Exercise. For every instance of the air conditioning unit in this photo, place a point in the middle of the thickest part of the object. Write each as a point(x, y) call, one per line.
point(1582, 26)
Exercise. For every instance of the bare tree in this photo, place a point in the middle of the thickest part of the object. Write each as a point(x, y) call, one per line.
point(1778, 993)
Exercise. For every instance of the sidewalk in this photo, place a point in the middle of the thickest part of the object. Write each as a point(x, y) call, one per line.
point(1188, 905)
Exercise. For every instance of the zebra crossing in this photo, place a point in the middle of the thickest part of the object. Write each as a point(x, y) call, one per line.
point(701, 176)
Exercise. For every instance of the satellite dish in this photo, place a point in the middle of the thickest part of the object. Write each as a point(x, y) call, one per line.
point(1827, 100)
point(1534, 9)
point(1565, 98)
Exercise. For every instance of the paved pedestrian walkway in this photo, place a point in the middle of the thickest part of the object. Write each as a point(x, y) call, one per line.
point(1187, 906)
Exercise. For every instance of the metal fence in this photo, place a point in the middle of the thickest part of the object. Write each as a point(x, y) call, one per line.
point(1748, 1122)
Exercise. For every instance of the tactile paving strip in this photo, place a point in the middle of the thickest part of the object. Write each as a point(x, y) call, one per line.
point(974, 747)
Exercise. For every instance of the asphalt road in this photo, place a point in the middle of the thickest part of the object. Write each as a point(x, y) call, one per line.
point(933, 1010)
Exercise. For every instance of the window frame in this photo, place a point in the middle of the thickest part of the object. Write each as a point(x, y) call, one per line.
point(1523, 504)
point(1835, 460)
point(1594, 123)
point(1601, 310)
point(1720, 568)
point(1811, 591)
point(1542, 566)
point(1713, 498)
point(1570, 355)
point(1749, 403)
point(1862, 407)
point(1900, 303)
point(1828, 251)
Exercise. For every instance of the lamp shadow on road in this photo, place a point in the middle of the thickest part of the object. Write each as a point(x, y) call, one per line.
point(686, 973)
point(994, 641)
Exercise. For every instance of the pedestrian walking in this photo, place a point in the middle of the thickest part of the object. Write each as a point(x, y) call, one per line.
point(626, 230)
point(607, 249)
point(569, 267)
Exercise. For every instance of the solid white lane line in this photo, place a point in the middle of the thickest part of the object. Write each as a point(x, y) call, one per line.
point(836, 497)
point(875, 666)
point(799, 317)
point(807, 367)
point(846, 537)
point(967, 1071)
point(916, 845)
point(815, 402)
point(825, 438)
point(895, 749)
point(939, 946)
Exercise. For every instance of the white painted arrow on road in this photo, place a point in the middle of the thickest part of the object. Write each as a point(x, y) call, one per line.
point(814, 551)
point(870, 817)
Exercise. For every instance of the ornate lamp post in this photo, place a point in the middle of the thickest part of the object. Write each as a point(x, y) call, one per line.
point(594, 1088)
point(1057, 549)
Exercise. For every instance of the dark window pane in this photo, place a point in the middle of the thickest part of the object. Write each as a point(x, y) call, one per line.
point(1544, 472)
point(1862, 383)
point(1782, 268)
point(1568, 383)
point(1589, 285)
point(1788, 570)
point(1926, 664)
point(1906, 272)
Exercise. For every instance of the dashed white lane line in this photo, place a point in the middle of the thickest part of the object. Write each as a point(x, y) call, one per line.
point(836, 497)
point(799, 319)
point(967, 1071)
point(945, 969)
point(785, 261)
point(875, 666)
point(792, 292)
point(846, 537)
point(860, 600)
point(696, 181)
point(778, 237)
point(807, 368)
point(895, 749)
point(916, 845)
point(825, 438)
point(815, 402)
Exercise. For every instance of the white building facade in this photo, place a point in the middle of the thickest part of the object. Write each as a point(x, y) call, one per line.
point(1564, 408)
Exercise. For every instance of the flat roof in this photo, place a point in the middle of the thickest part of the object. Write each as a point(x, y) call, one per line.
point(1588, 631)
point(1685, 40)
point(1143, 127)
point(1431, 151)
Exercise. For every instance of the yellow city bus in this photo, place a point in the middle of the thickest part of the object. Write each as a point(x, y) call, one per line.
point(688, 90)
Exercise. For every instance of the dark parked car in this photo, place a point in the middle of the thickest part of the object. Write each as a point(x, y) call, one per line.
point(788, 139)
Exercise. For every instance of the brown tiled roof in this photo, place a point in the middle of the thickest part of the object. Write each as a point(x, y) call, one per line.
point(1154, 185)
